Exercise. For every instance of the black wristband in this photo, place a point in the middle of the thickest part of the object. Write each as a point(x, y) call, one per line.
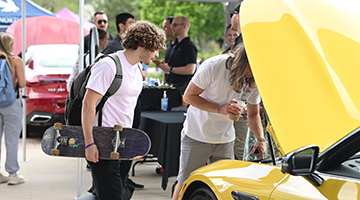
point(171, 68)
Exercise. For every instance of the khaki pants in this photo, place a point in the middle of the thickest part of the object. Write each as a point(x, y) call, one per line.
point(195, 154)
point(241, 129)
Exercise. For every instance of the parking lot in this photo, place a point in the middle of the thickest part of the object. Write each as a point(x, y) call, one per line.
point(55, 178)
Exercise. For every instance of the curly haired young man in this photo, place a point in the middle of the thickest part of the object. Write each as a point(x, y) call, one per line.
point(142, 43)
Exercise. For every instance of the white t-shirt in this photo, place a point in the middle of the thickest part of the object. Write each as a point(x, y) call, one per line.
point(210, 127)
point(119, 108)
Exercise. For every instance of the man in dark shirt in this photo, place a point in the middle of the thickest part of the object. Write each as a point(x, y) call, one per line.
point(169, 46)
point(123, 21)
point(100, 21)
point(182, 64)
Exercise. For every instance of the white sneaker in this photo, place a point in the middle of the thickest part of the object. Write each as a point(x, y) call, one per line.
point(3, 179)
point(14, 180)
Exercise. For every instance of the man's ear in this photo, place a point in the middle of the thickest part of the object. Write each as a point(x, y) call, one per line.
point(121, 26)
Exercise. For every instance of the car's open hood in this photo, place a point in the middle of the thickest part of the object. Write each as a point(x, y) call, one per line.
point(305, 57)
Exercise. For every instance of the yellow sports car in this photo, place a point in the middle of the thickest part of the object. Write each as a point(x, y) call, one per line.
point(305, 57)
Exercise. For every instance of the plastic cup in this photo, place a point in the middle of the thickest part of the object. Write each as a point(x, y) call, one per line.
point(241, 105)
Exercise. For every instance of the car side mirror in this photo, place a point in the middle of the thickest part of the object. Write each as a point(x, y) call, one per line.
point(301, 162)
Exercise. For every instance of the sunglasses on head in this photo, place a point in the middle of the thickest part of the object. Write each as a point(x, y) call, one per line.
point(101, 21)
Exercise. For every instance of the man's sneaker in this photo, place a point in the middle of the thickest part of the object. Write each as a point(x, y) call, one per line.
point(14, 180)
point(3, 179)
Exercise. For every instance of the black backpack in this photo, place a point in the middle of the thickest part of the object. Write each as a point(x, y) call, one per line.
point(73, 103)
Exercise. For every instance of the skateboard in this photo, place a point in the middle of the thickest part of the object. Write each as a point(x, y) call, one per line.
point(112, 142)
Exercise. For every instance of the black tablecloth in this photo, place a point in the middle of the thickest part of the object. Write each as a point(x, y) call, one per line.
point(164, 130)
point(151, 98)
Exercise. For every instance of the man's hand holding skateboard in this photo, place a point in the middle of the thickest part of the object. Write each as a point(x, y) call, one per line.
point(92, 153)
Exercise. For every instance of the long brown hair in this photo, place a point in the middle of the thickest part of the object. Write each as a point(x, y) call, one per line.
point(237, 64)
point(6, 42)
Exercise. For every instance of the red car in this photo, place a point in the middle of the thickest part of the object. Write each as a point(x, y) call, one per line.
point(49, 67)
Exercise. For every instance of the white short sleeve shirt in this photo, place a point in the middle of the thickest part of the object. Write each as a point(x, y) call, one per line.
point(119, 108)
point(210, 127)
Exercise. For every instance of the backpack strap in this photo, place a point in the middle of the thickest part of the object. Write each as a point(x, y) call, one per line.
point(85, 54)
point(140, 68)
point(115, 85)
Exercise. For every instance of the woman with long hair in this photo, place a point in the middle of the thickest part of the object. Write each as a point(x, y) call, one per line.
point(230, 36)
point(11, 116)
point(208, 134)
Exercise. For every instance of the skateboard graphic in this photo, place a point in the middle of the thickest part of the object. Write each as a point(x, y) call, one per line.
point(68, 141)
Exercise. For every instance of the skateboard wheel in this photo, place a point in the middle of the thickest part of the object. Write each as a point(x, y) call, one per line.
point(55, 152)
point(58, 126)
point(114, 155)
point(118, 127)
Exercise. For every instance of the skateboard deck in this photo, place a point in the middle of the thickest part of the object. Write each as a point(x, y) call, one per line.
point(68, 141)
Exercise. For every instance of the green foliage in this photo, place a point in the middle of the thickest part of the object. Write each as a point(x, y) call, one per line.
point(113, 8)
point(156, 75)
point(56, 5)
point(204, 27)
point(212, 49)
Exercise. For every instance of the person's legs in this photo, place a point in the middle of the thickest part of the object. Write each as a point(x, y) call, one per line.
point(125, 166)
point(11, 125)
point(241, 128)
point(176, 191)
point(222, 151)
point(12, 129)
point(107, 180)
point(3, 179)
point(193, 154)
point(1, 130)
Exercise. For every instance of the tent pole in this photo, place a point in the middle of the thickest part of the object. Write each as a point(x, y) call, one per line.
point(24, 89)
point(81, 55)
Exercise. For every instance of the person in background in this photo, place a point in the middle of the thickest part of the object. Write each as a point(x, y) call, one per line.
point(123, 21)
point(103, 40)
point(101, 21)
point(169, 46)
point(182, 64)
point(230, 37)
point(235, 25)
point(208, 133)
point(11, 116)
point(241, 126)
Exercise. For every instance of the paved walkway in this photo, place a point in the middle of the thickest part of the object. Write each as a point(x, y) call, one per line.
point(55, 178)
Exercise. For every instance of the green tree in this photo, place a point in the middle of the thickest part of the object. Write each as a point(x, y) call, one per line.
point(207, 20)
point(56, 5)
point(113, 8)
